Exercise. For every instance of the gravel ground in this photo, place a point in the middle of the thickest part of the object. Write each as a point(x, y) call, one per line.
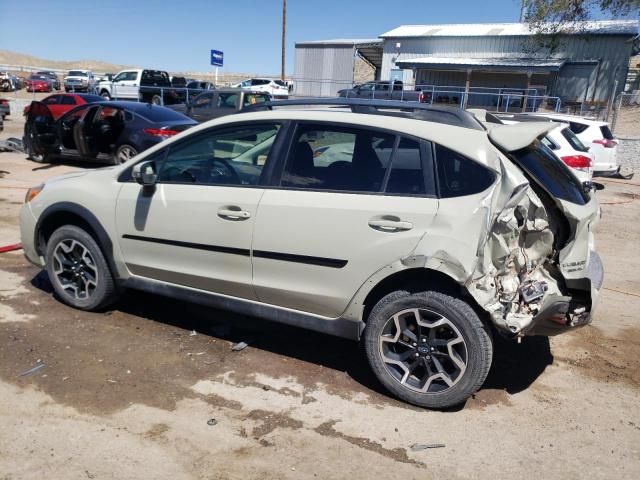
point(629, 154)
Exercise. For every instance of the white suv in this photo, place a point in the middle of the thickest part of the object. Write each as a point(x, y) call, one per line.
point(276, 88)
point(594, 134)
point(421, 234)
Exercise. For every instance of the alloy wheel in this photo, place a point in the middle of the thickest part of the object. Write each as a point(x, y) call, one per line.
point(126, 153)
point(75, 269)
point(423, 350)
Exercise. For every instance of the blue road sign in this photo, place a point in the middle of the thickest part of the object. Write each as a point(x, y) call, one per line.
point(217, 58)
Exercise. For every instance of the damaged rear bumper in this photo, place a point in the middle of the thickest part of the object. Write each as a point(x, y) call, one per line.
point(559, 314)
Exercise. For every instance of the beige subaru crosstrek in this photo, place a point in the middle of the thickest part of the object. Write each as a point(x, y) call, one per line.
point(417, 230)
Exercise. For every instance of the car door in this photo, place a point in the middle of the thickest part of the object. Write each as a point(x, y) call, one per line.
point(350, 202)
point(41, 129)
point(125, 85)
point(195, 227)
point(201, 108)
point(86, 135)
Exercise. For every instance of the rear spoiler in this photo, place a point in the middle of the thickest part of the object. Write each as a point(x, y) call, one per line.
point(510, 138)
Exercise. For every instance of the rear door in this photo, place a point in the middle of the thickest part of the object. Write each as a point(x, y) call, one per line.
point(40, 129)
point(350, 201)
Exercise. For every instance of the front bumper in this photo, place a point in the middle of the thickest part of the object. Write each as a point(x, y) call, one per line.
point(27, 236)
point(559, 314)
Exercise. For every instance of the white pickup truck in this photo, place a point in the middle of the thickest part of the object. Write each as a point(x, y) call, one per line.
point(152, 86)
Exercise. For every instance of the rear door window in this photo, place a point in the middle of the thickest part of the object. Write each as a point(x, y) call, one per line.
point(406, 177)
point(328, 157)
point(459, 176)
point(68, 100)
point(551, 173)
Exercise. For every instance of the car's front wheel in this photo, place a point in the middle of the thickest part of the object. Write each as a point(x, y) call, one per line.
point(78, 270)
point(429, 348)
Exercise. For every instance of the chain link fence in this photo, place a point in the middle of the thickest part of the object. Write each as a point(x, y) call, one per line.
point(625, 121)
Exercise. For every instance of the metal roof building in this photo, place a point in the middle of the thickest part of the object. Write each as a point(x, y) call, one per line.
point(584, 64)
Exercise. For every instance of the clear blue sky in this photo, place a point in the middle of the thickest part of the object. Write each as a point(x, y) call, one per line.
point(178, 34)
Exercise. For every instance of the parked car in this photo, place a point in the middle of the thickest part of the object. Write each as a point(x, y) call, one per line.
point(79, 81)
point(103, 131)
point(276, 88)
point(424, 239)
point(595, 134)
point(217, 103)
point(60, 103)
point(564, 144)
point(55, 81)
point(197, 85)
point(151, 86)
point(5, 108)
point(39, 83)
point(7, 83)
point(384, 91)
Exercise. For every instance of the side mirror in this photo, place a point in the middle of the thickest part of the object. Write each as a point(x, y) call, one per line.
point(145, 173)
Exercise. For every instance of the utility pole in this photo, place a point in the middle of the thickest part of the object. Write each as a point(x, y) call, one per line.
point(522, 10)
point(284, 35)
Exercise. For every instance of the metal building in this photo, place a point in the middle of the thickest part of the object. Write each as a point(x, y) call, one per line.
point(588, 63)
point(323, 67)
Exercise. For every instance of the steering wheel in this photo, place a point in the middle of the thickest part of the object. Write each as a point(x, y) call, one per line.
point(177, 173)
point(226, 171)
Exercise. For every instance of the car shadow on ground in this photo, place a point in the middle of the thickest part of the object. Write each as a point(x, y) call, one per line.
point(515, 366)
point(68, 162)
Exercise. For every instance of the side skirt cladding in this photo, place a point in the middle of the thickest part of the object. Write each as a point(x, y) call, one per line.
point(338, 327)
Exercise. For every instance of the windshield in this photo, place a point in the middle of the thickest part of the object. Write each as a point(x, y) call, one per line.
point(37, 77)
point(76, 73)
point(551, 173)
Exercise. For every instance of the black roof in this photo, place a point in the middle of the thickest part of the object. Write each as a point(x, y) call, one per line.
point(419, 111)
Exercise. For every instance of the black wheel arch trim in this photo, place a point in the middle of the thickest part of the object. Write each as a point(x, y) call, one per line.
point(102, 237)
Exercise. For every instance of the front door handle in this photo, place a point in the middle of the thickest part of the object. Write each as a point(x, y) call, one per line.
point(386, 225)
point(233, 213)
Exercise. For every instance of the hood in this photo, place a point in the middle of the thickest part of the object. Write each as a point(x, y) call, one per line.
point(510, 138)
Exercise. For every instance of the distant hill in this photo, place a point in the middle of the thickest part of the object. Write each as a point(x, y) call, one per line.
point(8, 57)
point(15, 58)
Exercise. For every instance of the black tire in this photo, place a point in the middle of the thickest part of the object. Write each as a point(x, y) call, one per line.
point(104, 94)
point(156, 100)
point(31, 155)
point(475, 350)
point(98, 297)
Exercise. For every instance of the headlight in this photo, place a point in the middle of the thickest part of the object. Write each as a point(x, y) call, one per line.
point(33, 193)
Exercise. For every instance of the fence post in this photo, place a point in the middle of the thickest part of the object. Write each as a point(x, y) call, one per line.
point(616, 111)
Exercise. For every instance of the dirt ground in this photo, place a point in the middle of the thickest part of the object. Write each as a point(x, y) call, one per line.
point(152, 388)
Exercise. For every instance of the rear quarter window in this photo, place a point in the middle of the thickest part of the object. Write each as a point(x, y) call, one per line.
point(606, 133)
point(577, 127)
point(458, 175)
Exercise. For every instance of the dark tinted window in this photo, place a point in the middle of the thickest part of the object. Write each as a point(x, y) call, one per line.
point(337, 158)
point(574, 141)
point(551, 173)
point(227, 100)
point(52, 100)
point(406, 170)
point(68, 100)
point(232, 156)
point(155, 77)
point(577, 127)
point(606, 133)
point(156, 113)
point(459, 176)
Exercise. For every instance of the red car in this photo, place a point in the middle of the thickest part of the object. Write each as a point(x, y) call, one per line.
point(63, 102)
point(39, 83)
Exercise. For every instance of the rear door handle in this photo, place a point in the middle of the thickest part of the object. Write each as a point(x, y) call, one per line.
point(233, 213)
point(390, 225)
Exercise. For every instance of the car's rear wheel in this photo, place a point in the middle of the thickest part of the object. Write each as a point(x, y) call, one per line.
point(78, 270)
point(156, 100)
point(104, 94)
point(429, 348)
point(124, 153)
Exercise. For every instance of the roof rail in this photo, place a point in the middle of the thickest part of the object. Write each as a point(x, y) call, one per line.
point(418, 111)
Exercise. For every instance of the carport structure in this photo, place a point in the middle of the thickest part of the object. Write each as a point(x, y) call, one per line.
point(486, 80)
